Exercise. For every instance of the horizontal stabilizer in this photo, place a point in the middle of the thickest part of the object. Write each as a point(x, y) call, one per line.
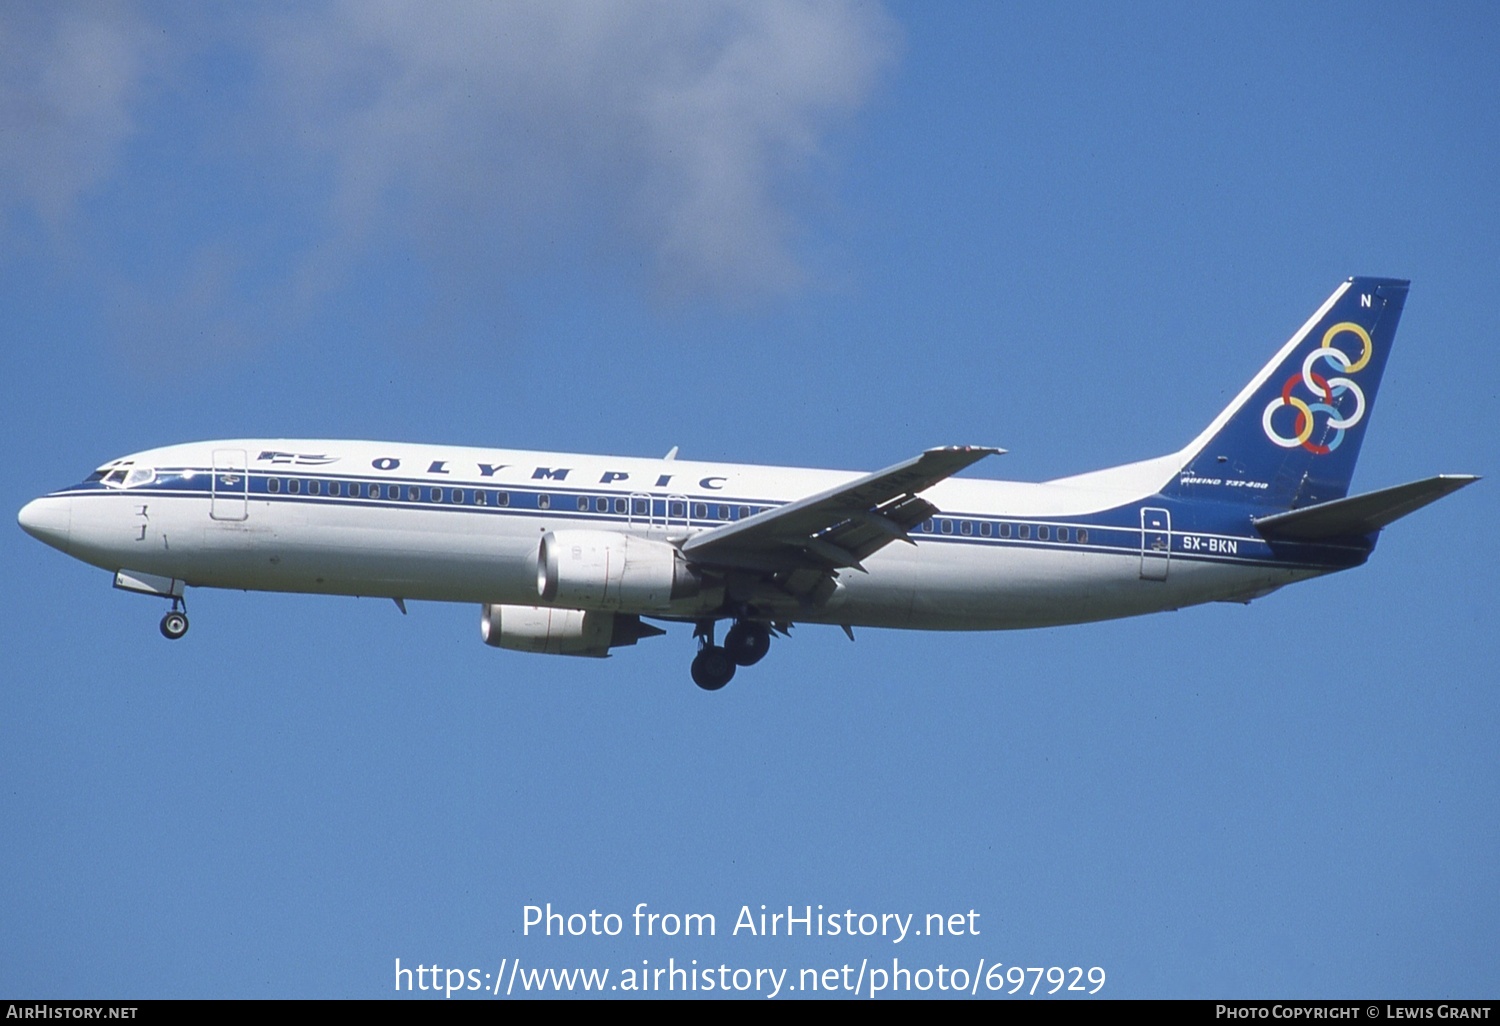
point(1360, 514)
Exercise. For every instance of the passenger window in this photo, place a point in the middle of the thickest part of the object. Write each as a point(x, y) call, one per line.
point(966, 527)
point(1083, 536)
point(435, 495)
point(334, 488)
point(1043, 533)
point(946, 526)
point(373, 491)
point(700, 511)
point(619, 505)
point(391, 491)
point(1062, 534)
point(744, 512)
point(679, 509)
point(273, 484)
point(601, 505)
point(544, 501)
point(723, 512)
point(314, 488)
point(984, 528)
point(502, 498)
point(1005, 530)
point(481, 498)
point(641, 507)
point(457, 495)
point(294, 486)
point(1024, 531)
point(583, 503)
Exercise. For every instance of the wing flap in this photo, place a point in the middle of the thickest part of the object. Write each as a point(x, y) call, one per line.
point(868, 531)
point(1360, 514)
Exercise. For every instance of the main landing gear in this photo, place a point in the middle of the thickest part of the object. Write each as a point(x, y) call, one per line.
point(712, 668)
point(745, 644)
point(175, 624)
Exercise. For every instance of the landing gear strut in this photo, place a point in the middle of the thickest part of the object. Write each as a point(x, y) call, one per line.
point(175, 624)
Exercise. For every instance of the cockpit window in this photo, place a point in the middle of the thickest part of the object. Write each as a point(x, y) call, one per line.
point(125, 477)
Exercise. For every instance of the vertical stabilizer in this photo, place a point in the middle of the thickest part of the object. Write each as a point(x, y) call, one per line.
point(1292, 435)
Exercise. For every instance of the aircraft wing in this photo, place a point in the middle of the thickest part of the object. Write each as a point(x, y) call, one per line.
point(838, 527)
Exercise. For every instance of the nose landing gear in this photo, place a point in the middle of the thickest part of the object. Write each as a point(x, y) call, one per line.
point(175, 624)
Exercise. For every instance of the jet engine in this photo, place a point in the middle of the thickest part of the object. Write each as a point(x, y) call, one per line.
point(561, 631)
point(606, 570)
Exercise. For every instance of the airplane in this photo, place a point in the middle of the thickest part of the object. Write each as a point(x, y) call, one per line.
point(572, 554)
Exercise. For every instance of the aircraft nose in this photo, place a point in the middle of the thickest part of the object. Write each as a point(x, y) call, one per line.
point(48, 519)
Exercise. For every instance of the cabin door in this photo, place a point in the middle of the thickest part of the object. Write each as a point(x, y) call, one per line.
point(230, 488)
point(644, 516)
point(677, 517)
point(1156, 543)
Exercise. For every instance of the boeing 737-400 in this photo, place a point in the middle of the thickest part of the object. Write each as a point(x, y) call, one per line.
point(572, 555)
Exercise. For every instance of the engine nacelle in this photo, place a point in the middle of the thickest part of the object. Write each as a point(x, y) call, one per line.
point(560, 631)
point(605, 570)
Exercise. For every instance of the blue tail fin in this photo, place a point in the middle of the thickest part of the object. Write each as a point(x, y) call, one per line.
point(1291, 437)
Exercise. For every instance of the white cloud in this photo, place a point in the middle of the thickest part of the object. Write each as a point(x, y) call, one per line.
point(679, 129)
point(69, 74)
point(677, 142)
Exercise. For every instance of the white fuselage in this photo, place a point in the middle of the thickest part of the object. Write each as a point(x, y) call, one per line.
point(455, 524)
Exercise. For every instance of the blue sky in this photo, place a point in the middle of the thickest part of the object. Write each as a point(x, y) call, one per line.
point(827, 235)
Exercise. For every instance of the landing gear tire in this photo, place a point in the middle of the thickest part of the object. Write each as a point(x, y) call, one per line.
point(174, 625)
point(712, 668)
point(747, 642)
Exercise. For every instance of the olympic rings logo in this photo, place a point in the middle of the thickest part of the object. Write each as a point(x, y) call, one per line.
point(1325, 391)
